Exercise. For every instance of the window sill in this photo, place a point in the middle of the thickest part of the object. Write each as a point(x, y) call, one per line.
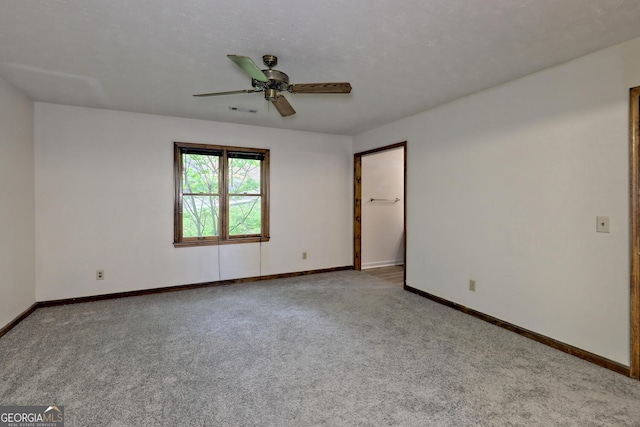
point(195, 243)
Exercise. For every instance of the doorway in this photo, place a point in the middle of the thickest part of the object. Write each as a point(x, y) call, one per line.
point(634, 178)
point(375, 206)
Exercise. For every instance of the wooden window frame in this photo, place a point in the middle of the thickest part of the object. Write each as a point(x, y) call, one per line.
point(179, 148)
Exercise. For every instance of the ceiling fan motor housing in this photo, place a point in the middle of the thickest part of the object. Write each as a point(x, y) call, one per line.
point(278, 81)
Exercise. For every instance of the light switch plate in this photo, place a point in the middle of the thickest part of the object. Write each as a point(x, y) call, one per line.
point(602, 224)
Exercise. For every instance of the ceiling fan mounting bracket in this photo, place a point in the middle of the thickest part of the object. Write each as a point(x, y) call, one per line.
point(270, 60)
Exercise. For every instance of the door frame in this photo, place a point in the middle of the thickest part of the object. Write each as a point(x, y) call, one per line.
point(357, 204)
point(634, 224)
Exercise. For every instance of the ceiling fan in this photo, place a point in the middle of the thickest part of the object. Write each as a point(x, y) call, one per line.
point(272, 82)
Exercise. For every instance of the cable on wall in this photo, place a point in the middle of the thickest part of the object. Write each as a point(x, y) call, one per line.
point(260, 268)
point(219, 271)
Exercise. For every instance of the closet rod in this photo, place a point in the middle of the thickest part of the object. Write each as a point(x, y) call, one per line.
point(385, 200)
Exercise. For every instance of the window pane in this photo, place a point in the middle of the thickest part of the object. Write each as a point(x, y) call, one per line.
point(244, 176)
point(200, 216)
point(244, 215)
point(200, 173)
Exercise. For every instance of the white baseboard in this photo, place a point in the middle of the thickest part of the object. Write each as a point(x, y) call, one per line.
point(377, 264)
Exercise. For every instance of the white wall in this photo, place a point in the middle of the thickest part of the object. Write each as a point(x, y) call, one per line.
point(504, 188)
point(382, 222)
point(17, 224)
point(104, 192)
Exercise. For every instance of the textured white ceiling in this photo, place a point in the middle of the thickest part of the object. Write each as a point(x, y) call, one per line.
point(401, 57)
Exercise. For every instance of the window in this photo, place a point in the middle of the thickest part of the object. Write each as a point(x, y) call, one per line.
point(221, 194)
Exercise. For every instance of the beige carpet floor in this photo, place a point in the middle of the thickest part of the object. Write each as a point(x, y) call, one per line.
point(335, 349)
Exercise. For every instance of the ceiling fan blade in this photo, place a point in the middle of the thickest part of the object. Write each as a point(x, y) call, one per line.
point(282, 105)
point(340, 87)
point(249, 67)
point(231, 92)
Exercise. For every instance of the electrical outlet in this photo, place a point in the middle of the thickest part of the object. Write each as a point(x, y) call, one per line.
point(602, 224)
point(472, 285)
point(99, 274)
point(304, 255)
